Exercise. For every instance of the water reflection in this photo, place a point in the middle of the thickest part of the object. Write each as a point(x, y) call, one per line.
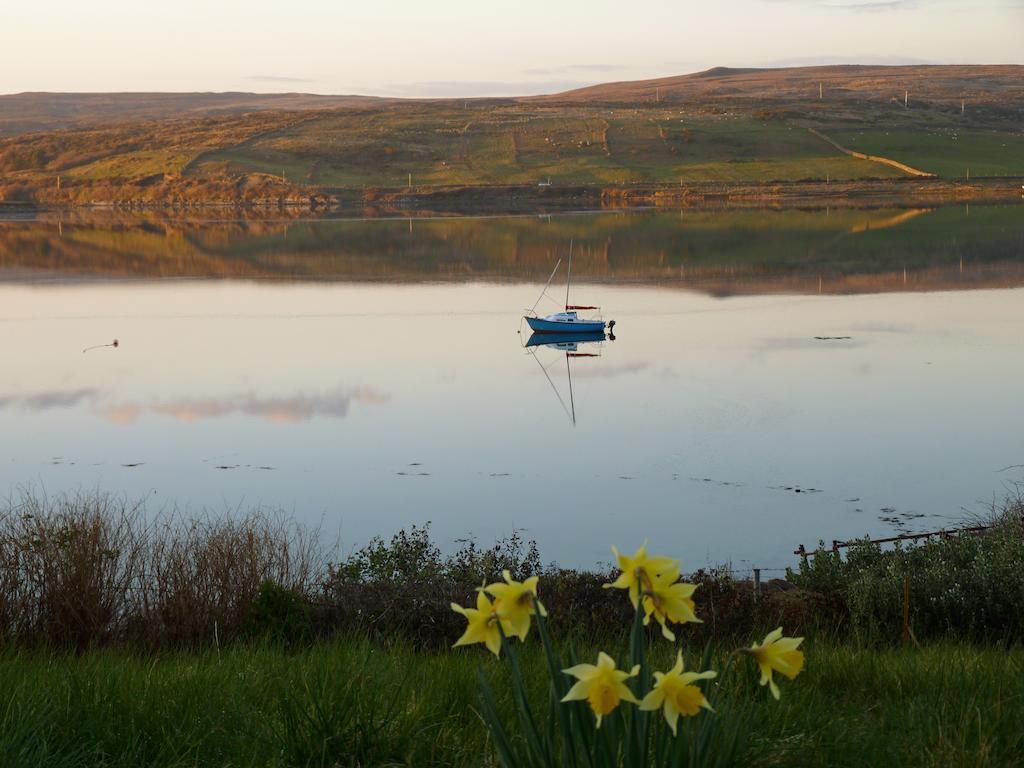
point(282, 409)
point(575, 347)
point(718, 252)
point(379, 373)
point(45, 401)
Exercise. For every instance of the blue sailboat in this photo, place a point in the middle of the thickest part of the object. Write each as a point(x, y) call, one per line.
point(568, 321)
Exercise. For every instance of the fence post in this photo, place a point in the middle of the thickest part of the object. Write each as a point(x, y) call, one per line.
point(757, 584)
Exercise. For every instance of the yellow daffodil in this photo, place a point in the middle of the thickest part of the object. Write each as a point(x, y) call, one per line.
point(602, 686)
point(667, 599)
point(638, 570)
point(513, 602)
point(483, 624)
point(780, 654)
point(675, 693)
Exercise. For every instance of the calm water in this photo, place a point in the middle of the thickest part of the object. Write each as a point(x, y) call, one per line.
point(369, 375)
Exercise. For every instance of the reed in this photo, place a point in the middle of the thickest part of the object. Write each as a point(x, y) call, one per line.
point(93, 569)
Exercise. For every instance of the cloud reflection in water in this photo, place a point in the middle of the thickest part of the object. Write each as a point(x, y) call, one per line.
point(282, 410)
point(48, 400)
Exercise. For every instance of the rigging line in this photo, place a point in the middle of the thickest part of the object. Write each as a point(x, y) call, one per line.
point(545, 289)
point(573, 402)
point(553, 387)
point(568, 276)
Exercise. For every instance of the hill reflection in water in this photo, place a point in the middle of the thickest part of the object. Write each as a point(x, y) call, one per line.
point(718, 252)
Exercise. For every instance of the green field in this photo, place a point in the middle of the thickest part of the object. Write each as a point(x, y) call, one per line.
point(514, 145)
point(950, 151)
point(350, 703)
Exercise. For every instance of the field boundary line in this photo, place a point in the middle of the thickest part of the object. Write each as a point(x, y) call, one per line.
point(873, 158)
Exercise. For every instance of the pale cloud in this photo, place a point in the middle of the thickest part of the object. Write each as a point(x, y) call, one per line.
point(873, 6)
point(480, 88)
point(569, 68)
point(279, 79)
point(869, 6)
point(864, 59)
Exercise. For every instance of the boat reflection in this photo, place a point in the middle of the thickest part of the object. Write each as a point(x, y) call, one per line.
point(568, 342)
point(571, 344)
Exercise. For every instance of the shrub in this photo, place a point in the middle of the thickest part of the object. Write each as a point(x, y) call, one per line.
point(962, 585)
point(278, 614)
point(404, 587)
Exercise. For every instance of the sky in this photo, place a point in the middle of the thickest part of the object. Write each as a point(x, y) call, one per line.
point(472, 47)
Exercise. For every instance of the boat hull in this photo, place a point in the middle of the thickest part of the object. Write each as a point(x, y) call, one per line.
point(541, 325)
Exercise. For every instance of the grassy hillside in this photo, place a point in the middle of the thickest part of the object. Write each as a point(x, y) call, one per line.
point(446, 145)
point(718, 126)
point(27, 112)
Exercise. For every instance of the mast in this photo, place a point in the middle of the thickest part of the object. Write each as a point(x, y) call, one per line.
point(568, 276)
point(572, 402)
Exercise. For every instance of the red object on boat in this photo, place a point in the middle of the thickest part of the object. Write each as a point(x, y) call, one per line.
point(578, 306)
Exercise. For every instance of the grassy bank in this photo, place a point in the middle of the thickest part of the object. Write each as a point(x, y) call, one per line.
point(128, 641)
point(350, 702)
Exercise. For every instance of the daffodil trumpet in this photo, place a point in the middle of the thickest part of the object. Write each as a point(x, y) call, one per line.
point(638, 570)
point(676, 694)
point(603, 686)
point(483, 625)
point(515, 602)
point(667, 599)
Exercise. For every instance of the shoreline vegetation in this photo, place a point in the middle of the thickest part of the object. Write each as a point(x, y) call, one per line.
point(720, 137)
point(174, 641)
point(498, 199)
point(92, 570)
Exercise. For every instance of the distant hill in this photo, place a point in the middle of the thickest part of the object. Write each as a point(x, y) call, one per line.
point(24, 112)
point(761, 126)
point(938, 84)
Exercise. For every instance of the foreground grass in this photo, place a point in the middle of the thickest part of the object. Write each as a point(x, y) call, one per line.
point(348, 702)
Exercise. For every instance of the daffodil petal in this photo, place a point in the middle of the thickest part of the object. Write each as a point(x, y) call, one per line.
point(578, 692)
point(581, 671)
point(653, 700)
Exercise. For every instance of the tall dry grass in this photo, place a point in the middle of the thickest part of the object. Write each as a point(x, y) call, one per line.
point(92, 569)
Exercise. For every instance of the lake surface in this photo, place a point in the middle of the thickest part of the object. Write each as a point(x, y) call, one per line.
point(777, 377)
